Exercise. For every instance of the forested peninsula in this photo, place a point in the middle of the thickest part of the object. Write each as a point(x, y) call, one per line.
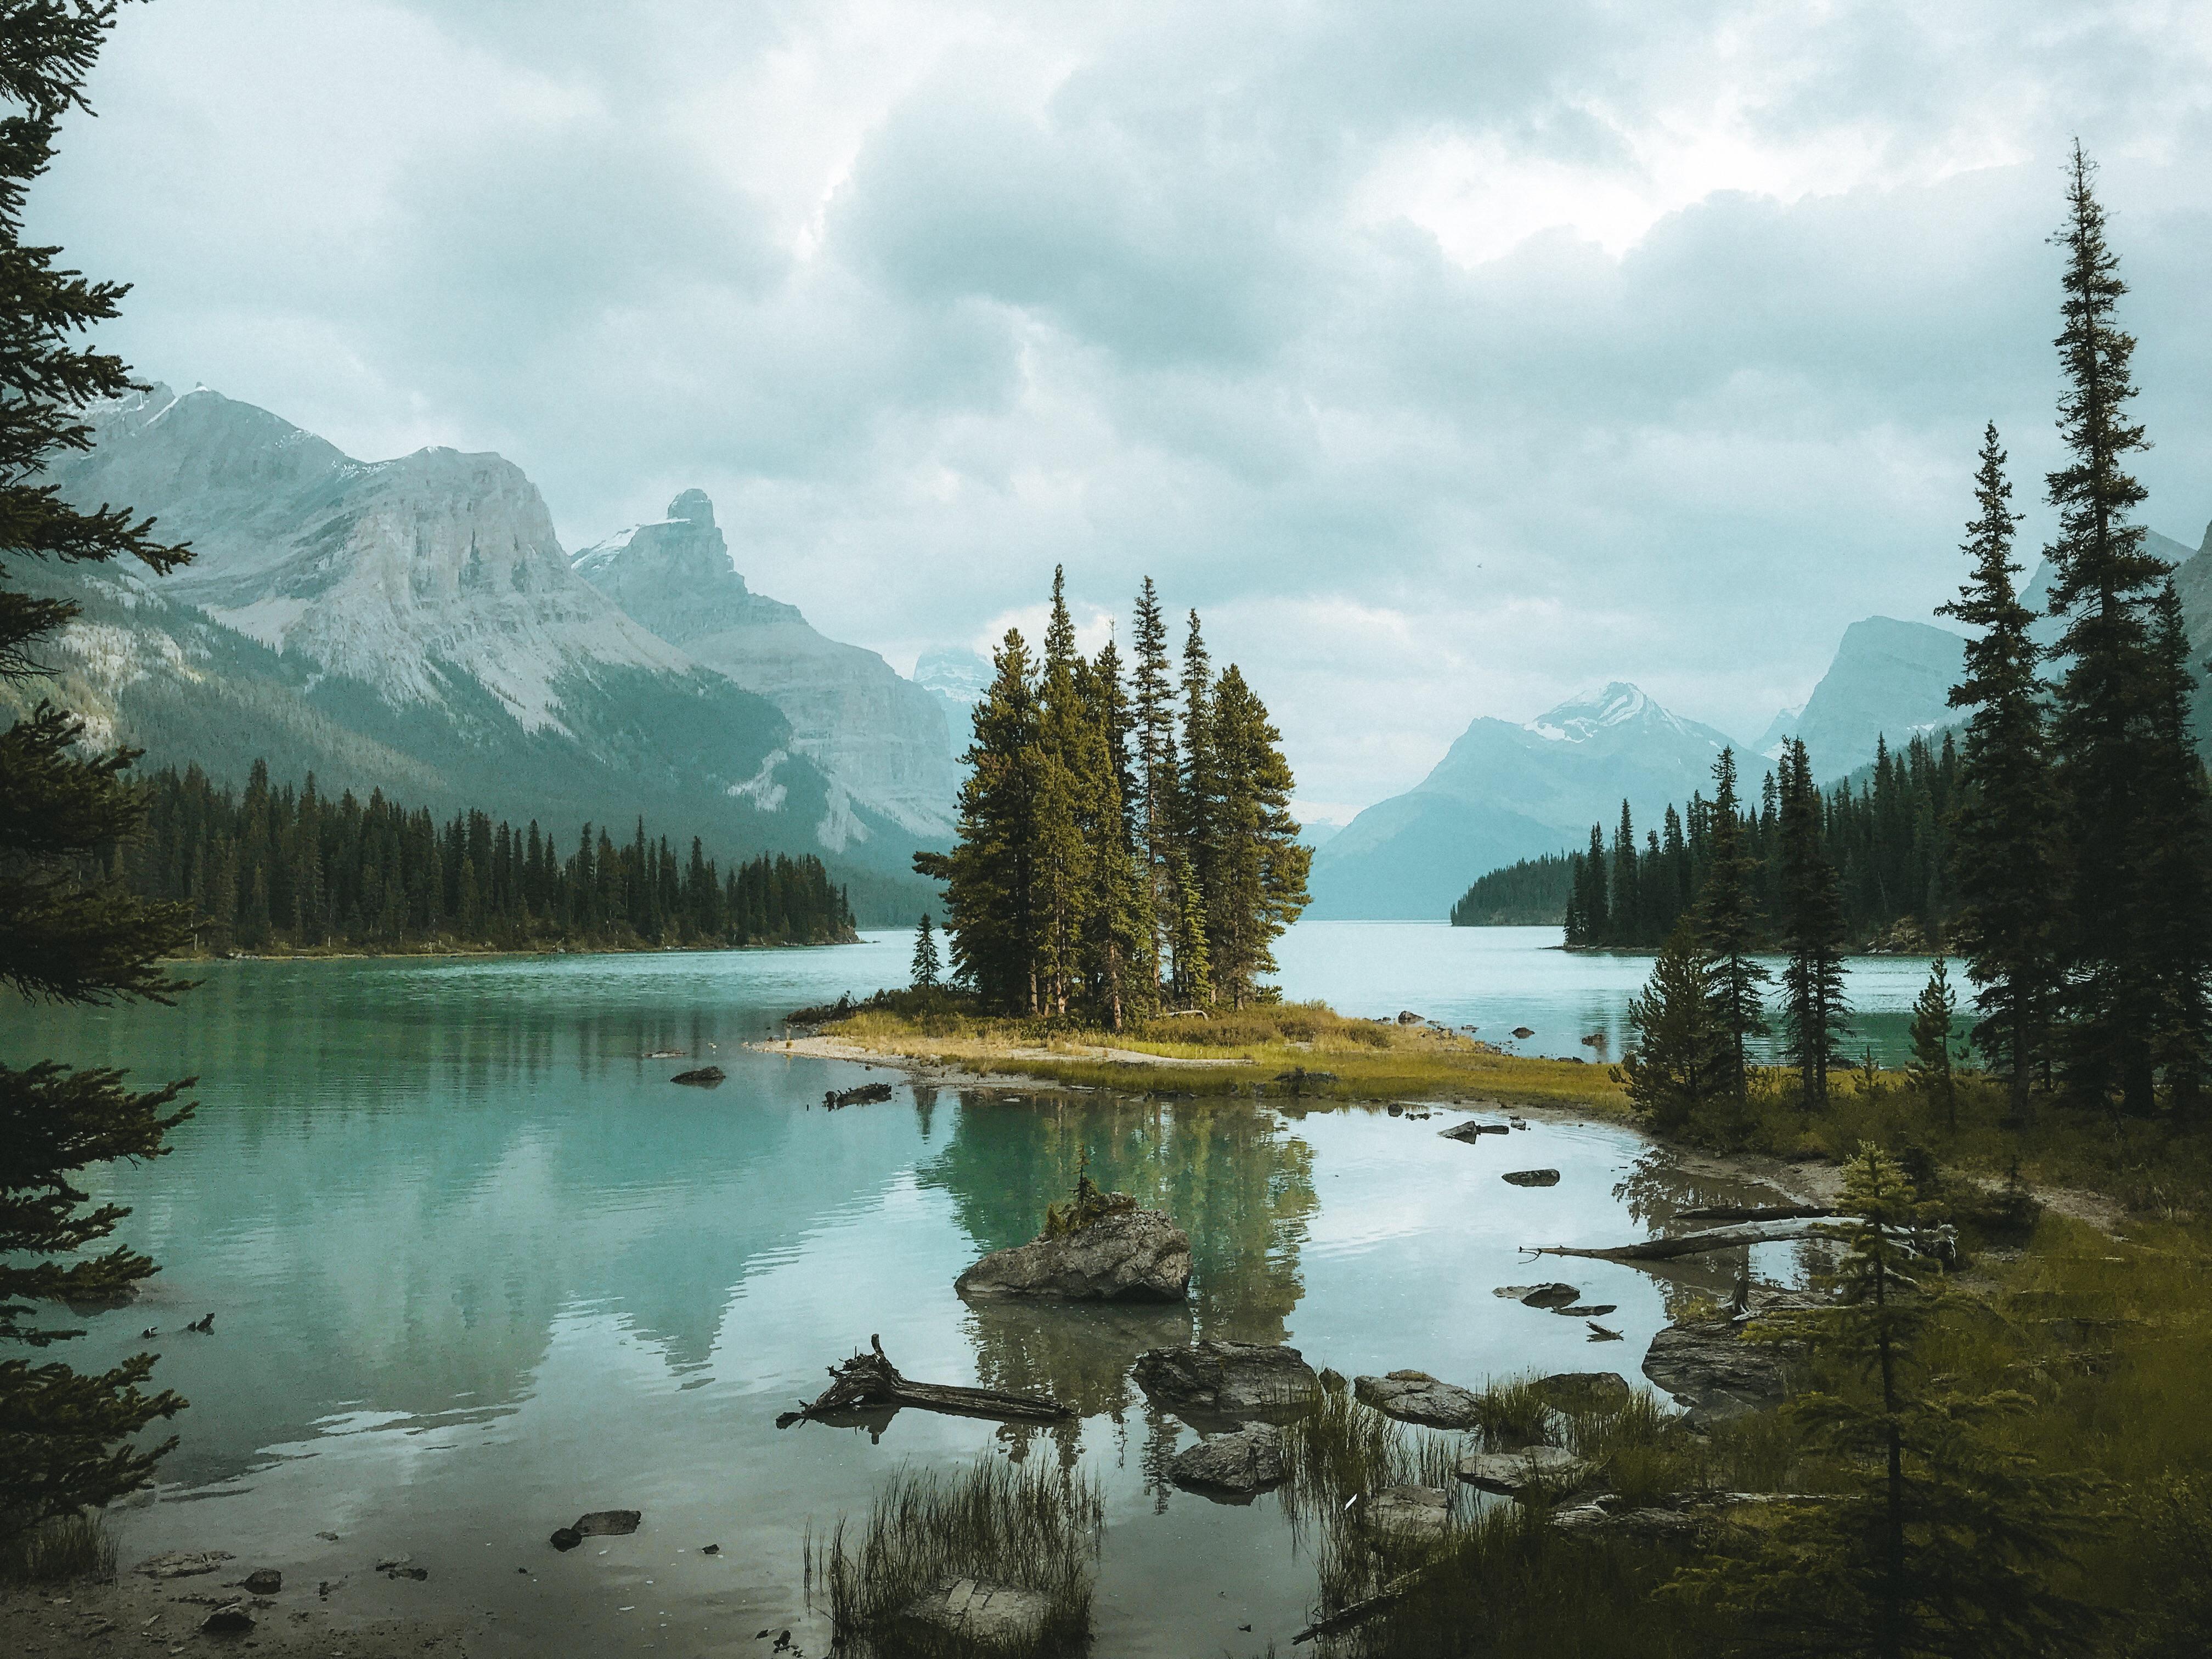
point(282, 867)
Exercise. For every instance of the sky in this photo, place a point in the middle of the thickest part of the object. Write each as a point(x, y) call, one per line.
point(1448, 358)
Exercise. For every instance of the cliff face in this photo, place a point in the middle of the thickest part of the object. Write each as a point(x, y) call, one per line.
point(879, 738)
point(415, 625)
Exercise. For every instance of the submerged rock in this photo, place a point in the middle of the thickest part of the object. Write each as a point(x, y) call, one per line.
point(1417, 1397)
point(1403, 1515)
point(983, 1616)
point(1229, 1379)
point(182, 1564)
point(1134, 1255)
point(1551, 1467)
point(1247, 1462)
point(1531, 1177)
point(1546, 1296)
point(1473, 1129)
point(702, 1077)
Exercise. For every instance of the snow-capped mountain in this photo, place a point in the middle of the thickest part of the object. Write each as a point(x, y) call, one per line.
point(879, 738)
point(414, 625)
point(957, 677)
point(1506, 792)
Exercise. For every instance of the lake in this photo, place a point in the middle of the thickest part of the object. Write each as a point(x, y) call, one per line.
point(476, 1267)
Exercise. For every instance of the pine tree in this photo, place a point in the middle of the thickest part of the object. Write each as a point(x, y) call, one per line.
point(1625, 906)
point(1679, 1063)
point(2173, 883)
point(1728, 923)
point(1119, 928)
point(1813, 1015)
point(1934, 1014)
point(1157, 813)
point(1260, 868)
point(66, 934)
point(1069, 768)
point(1194, 812)
point(989, 876)
point(928, 966)
point(1596, 907)
point(2105, 579)
point(1941, 1542)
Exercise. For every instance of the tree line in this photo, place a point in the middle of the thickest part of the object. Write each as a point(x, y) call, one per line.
point(1886, 837)
point(280, 865)
point(1125, 841)
point(2063, 846)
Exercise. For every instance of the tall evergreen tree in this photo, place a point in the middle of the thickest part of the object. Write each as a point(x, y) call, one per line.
point(1813, 1014)
point(1680, 1060)
point(1260, 868)
point(1119, 927)
point(2104, 740)
point(1728, 923)
point(1195, 786)
point(2003, 832)
point(928, 965)
point(2173, 883)
point(1070, 764)
point(65, 934)
point(1934, 1014)
point(1596, 906)
point(1153, 735)
point(990, 875)
point(1626, 908)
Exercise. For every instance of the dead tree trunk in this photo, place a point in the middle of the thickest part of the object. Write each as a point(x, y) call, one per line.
point(869, 1381)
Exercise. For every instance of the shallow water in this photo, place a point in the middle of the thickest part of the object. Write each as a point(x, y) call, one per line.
point(476, 1267)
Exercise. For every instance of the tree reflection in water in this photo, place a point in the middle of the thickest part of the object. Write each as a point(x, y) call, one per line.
point(1661, 1184)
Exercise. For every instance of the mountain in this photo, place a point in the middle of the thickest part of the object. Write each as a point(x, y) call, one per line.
point(413, 625)
point(957, 678)
point(1506, 792)
point(879, 738)
point(1888, 678)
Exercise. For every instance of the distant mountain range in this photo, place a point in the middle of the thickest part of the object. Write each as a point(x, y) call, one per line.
point(957, 678)
point(414, 625)
point(1506, 792)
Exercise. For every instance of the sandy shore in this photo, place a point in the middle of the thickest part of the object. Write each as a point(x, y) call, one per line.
point(137, 1615)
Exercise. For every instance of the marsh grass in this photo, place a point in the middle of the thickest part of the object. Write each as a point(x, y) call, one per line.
point(1025, 1526)
point(1228, 1052)
point(58, 1551)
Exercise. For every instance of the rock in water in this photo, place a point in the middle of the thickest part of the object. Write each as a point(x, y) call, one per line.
point(232, 1620)
point(182, 1564)
point(1229, 1379)
point(984, 1617)
point(1546, 1296)
point(1533, 1177)
point(1407, 1516)
point(1707, 1366)
point(264, 1581)
point(1417, 1397)
point(1473, 1129)
point(1240, 1464)
point(700, 1077)
point(1134, 1255)
point(1550, 1468)
point(1584, 1391)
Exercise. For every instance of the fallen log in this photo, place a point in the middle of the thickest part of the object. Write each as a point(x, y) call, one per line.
point(1756, 1213)
point(869, 1381)
point(1939, 1243)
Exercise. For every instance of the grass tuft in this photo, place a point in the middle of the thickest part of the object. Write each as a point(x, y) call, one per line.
point(58, 1551)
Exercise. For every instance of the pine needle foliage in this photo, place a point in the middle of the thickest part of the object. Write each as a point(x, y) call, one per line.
point(67, 933)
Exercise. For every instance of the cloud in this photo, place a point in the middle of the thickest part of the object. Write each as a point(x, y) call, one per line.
point(1448, 358)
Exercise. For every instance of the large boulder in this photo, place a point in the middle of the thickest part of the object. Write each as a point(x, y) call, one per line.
point(1242, 1380)
point(1236, 1465)
point(1417, 1397)
point(1132, 1255)
point(1706, 1365)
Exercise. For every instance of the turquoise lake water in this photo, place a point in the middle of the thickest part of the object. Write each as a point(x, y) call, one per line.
point(477, 1267)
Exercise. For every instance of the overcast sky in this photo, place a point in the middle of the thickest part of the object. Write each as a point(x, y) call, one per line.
point(1448, 357)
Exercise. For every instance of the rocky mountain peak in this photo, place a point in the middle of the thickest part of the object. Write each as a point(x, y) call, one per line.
point(676, 575)
point(693, 508)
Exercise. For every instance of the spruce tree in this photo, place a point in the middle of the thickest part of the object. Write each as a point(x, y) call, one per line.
point(1260, 868)
point(1153, 735)
point(1070, 763)
point(928, 965)
point(2173, 883)
point(1195, 788)
point(1813, 1013)
point(1728, 923)
point(1119, 927)
point(1625, 906)
point(66, 933)
point(1598, 909)
point(1934, 1014)
point(1679, 1059)
point(2103, 737)
point(990, 875)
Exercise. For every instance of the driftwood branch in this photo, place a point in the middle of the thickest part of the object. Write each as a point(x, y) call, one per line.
point(869, 1381)
point(1712, 1238)
point(1756, 1213)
